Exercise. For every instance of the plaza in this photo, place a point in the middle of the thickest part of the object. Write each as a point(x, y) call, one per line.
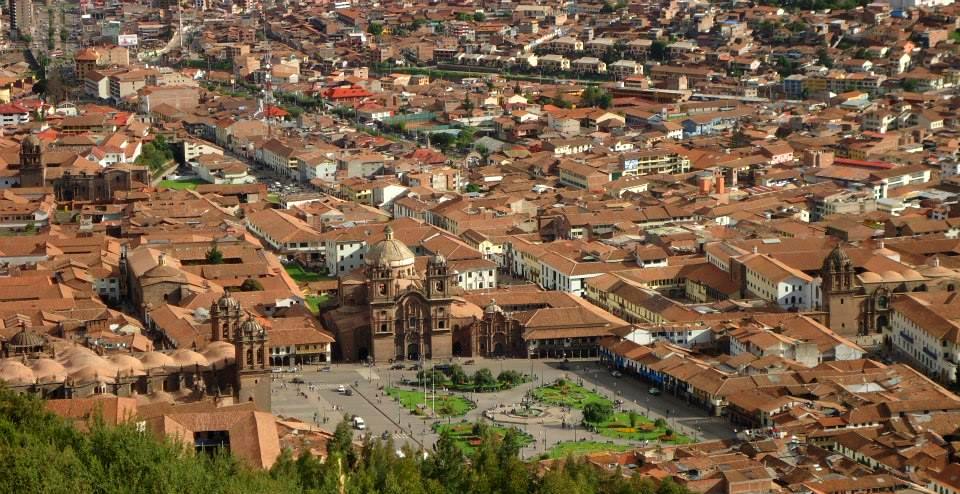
point(317, 400)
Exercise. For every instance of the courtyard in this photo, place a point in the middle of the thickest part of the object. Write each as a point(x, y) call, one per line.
point(551, 429)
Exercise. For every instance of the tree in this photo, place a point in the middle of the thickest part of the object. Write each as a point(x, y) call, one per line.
point(464, 17)
point(595, 96)
point(510, 378)
point(457, 375)
point(660, 423)
point(658, 50)
point(342, 441)
point(483, 378)
point(479, 17)
point(909, 85)
point(375, 28)
point(823, 58)
point(607, 8)
point(214, 255)
point(633, 417)
point(251, 285)
point(597, 412)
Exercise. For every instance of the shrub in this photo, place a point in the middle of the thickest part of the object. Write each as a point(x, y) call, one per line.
point(597, 412)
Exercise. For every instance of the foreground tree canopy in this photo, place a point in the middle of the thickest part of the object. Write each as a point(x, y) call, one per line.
point(44, 453)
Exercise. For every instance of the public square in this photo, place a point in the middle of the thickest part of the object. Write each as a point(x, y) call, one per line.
point(317, 400)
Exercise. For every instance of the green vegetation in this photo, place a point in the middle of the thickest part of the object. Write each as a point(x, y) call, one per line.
point(45, 454)
point(579, 448)
point(214, 255)
point(375, 28)
point(251, 285)
point(156, 154)
point(630, 425)
point(594, 96)
point(314, 302)
point(183, 184)
point(301, 275)
point(454, 377)
point(469, 435)
point(597, 412)
point(419, 403)
point(273, 197)
point(569, 394)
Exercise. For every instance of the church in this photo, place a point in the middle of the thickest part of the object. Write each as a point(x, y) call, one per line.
point(402, 307)
point(234, 367)
point(857, 285)
point(398, 310)
point(73, 177)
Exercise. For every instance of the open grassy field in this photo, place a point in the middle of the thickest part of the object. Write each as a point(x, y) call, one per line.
point(187, 184)
point(301, 275)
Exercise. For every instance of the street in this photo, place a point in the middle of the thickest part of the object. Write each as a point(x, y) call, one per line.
point(323, 404)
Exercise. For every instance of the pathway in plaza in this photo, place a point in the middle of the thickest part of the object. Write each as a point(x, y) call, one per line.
point(323, 403)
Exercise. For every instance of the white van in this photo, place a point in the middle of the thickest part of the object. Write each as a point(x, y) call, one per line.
point(359, 424)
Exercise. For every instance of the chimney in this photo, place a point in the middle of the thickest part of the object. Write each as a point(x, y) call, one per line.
point(721, 185)
point(160, 259)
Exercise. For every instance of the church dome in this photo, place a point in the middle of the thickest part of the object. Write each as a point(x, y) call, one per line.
point(251, 326)
point(14, 372)
point(227, 302)
point(31, 142)
point(389, 252)
point(26, 338)
point(492, 307)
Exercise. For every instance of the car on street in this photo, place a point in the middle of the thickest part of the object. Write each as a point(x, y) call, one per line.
point(348, 392)
point(325, 369)
point(654, 391)
point(470, 362)
point(396, 367)
point(341, 389)
point(415, 367)
point(358, 423)
point(616, 374)
point(296, 380)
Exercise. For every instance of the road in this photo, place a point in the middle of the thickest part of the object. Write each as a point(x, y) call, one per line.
point(382, 414)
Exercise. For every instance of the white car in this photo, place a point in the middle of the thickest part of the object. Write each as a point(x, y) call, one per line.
point(341, 389)
point(359, 424)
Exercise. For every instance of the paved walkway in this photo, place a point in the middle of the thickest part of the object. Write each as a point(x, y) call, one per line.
point(384, 415)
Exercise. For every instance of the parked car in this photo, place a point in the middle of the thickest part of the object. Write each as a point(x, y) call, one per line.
point(616, 374)
point(654, 391)
point(341, 388)
point(325, 369)
point(415, 367)
point(396, 367)
point(348, 392)
point(296, 380)
point(470, 362)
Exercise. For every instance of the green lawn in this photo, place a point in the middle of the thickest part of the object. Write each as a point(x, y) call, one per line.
point(619, 427)
point(569, 394)
point(467, 434)
point(301, 275)
point(273, 197)
point(188, 184)
point(448, 405)
point(314, 302)
point(578, 448)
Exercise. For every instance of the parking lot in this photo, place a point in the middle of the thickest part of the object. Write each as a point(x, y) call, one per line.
point(317, 399)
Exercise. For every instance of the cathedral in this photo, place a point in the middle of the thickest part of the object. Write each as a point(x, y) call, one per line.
point(402, 307)
point(402, 311)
